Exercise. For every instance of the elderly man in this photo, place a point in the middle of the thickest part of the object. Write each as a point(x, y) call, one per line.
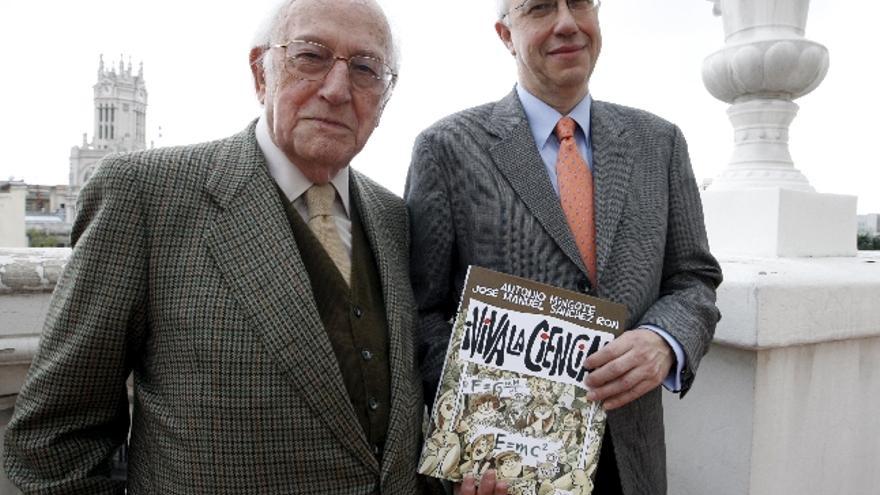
point(255, 287)
point(551, 185)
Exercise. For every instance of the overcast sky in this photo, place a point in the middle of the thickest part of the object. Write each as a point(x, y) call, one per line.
point(195, 65)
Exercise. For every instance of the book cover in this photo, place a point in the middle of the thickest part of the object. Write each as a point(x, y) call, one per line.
point(512, 395)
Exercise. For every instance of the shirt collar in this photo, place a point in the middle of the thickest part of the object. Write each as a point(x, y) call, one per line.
point(543, 118)
point(287, 175)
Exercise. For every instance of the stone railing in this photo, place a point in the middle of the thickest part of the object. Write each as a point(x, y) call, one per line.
point(27, 278)
point(786, 399)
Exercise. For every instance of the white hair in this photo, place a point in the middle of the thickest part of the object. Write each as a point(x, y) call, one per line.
point(501, 6)
point(268, 32)
point(263, 36)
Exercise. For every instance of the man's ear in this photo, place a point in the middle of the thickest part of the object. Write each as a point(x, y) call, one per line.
point(385, 99)
point(504, 33)
point(256, 60)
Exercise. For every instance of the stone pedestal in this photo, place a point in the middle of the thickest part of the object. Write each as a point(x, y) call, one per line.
point(761, 204)
point(776, 222)
point(787, 400)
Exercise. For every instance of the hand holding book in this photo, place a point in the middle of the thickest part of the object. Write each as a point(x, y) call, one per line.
point(488, 485)
point(629, 367)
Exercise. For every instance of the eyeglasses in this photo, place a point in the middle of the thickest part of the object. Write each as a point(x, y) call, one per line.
point(540, 9)
point(310, 61)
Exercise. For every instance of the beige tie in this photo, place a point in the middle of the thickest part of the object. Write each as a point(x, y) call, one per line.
point(319, 201)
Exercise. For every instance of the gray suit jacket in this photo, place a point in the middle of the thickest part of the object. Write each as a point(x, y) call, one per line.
point(478, 193)
point(186, 273)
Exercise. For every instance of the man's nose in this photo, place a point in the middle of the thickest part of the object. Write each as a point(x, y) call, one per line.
point(337, 87)
point(565, 22)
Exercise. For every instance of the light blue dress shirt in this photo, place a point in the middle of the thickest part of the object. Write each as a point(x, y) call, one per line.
point(542, 121)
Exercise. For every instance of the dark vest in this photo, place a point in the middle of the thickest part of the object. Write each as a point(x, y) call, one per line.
point(354, 319)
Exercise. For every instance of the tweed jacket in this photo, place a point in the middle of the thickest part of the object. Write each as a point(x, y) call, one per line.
point(185, 272)
point(478, 193)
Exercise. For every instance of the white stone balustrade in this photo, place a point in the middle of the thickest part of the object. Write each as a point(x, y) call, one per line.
point(27, 278)
point(786, 400)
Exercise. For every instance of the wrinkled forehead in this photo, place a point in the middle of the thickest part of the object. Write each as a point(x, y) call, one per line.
point(351, 26)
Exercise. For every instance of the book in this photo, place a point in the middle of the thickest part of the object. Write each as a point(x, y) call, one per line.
point(512, 395)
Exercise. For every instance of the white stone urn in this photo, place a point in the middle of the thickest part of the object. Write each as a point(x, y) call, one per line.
point(765, 64)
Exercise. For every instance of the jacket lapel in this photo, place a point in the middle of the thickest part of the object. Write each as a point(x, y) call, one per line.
point(386, 250)
point(256, 253)
point(612, 169)
point(516, 156)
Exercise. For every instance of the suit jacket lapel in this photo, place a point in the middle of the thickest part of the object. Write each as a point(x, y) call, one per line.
point(612, 169)
point(385, 247)
point(516, 156)
point(256, 253)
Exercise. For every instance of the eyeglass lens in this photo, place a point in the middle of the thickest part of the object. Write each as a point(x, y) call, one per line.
point(542, 8)
point(312, 61)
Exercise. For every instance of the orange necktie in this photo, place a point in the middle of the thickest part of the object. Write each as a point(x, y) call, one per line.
point(576, 194)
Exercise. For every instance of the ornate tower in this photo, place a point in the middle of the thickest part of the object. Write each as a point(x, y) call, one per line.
point(120, 119)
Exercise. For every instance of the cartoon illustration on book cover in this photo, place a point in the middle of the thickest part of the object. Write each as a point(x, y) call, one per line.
point(512, 394)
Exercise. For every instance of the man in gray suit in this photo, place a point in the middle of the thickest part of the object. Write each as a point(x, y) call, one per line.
point(551, 185)
point(255, 287)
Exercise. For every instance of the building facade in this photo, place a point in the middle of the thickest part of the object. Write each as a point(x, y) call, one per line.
point(869, 224)
point(12, 225)
point(42, 216)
